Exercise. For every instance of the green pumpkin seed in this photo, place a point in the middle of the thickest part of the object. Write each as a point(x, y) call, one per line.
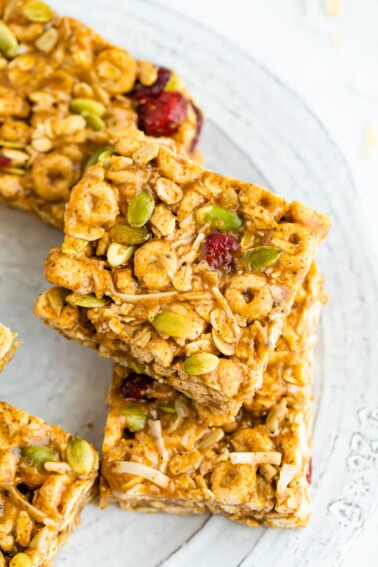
point(104, 158)
point(95, 157)
point(88, 300)
point(201, 363)
point(140, 209)
point(135, 418)
point(218, 217)
point(175, 83)
point(125, 234)
point(37, 11)
point(14, 145)
point(38, 455)
point(8, 41)
point(173, 325)
point(14, 170)
point(135, 366)
point(119, 254)
point(20, 560)
point(74, 246)
point(261, 257)
point(83, 105)
point(94, 121)
point(79, 455)
point(167, 409)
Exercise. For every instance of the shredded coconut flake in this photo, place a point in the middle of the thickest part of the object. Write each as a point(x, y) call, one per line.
point(268, 457)
point(287, 474)
point(128, 467)
point(156, 431)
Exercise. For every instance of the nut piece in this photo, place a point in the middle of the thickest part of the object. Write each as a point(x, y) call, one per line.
point(261, 257)
point(119, 254)
point(8, 42)
point(201, 363)
point(20, 560)
point(89, 300)
point(37, 11)
point(135, 418)
point(79, 455)
point(173, 325)
point(140, 209)
point(218, 217)
point(38, 455)
point(46, 42)
point(125, 234)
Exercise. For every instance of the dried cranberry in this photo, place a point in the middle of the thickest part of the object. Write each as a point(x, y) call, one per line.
point(135, 386)
point(309, 472)
point(219, 249)
point(5, 161)
point(142, 93)
point(162, 115)
point(199, 125)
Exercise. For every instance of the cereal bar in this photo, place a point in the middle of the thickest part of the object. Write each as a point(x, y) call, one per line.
point(62, 87)
point(8, 345)
point(159, 454)
point(184, 272)
point(46, 478)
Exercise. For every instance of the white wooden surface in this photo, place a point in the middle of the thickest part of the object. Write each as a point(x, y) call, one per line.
point(259, 130)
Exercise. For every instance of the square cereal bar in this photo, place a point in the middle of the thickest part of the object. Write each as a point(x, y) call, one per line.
point(182, 271)
point(8, 345)
point(159, 455)
point(46, 478)
point(62, 86)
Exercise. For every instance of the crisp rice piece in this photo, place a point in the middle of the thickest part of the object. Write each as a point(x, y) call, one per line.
point(196, 291)
point(62, 87)
point(46, 477)
point(159, 455)
point(8, 345)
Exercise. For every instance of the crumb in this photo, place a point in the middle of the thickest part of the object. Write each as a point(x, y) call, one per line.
point(334, 8)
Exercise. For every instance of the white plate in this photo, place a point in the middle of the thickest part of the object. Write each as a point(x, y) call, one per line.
point(257, 129)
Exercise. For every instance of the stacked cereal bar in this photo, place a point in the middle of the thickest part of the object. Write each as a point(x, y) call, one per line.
point(8, 345)
point(160, 455)
point(46, 478)
point(181, 272)
point(62, 87)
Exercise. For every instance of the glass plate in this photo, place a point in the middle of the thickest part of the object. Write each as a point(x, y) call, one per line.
point(258, 130)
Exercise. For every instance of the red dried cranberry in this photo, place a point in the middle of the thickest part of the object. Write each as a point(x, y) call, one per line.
point(141, 92)
point(5, 161)
point(309, 472)
point(135, 386)
point(162, 115)
point(219, 249)
point(199, 125)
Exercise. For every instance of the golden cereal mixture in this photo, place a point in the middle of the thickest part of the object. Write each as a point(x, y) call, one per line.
point(46, 478)
point(159, 454)
point(181, 271)
point(8, 345)
point(62, 88)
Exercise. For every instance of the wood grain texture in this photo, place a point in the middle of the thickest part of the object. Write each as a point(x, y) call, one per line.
point(258, 130)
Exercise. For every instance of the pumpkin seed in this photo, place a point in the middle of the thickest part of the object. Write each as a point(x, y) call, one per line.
point(38, 455)
point(135, 366)
point(37, 11)
point(140, 209)
point(87, 105)
point(8, 41)
point(73, 245)
point(175, 83)
point(125, 234)
point(94, 121)
point(173, 325)
point(79, 455)
point(218, 217)
point(201, 363)
point(14, 170)
point(15, 145)
point(119, 254)
point(167, 409)
point(95, 157)
point(135, 418)
point(103, 157)
point(261, 257)
point(88, 300)
point(20, 560)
